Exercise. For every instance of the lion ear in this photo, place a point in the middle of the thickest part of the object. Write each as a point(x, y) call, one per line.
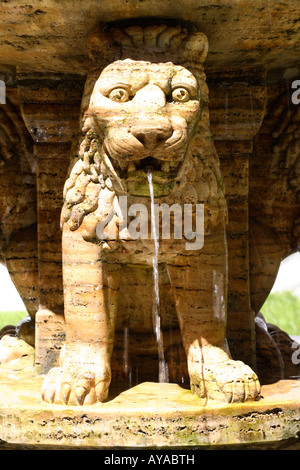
point(195, 47)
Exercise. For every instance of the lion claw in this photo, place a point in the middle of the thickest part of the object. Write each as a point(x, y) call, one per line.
point(230, 381)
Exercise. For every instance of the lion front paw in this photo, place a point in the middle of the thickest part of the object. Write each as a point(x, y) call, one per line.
point(75, 386)
point(230, 381)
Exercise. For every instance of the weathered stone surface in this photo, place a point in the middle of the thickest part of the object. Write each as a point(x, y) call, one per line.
point(18, 202)
point(45, 36)
point(50, 338)
point(148, 415)
point(13, 348)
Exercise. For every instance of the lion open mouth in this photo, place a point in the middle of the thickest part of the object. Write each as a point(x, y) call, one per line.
point(133, 173)
point(132, 169)
point(154, 164)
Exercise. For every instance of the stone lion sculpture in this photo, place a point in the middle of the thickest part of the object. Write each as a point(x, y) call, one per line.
point(145, 105)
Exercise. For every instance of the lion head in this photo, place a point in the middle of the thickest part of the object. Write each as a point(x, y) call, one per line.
point(146, 113)
point(145, 105)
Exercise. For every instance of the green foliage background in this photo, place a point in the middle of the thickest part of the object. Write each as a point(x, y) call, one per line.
point(11, 318)
point(283, 309)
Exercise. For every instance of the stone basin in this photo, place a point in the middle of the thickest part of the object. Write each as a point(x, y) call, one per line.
point(148, 415)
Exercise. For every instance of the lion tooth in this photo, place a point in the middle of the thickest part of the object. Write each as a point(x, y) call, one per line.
point(131, 167)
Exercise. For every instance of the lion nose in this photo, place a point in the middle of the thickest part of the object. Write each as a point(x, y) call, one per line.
point(149, 133)
point(151, 127)
point(150, 97)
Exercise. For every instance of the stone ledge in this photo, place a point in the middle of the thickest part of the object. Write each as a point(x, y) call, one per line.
point(149, 415)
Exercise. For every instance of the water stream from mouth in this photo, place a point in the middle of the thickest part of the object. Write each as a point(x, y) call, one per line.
point(163, 375)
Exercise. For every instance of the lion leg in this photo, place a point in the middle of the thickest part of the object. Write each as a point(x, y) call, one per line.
point(200, 295)
point(91, 297)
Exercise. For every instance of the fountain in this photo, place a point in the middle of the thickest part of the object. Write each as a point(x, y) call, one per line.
point(162, 366)
point(135, 339)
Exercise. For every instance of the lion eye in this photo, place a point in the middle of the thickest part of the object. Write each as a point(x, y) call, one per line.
point(119, 95)
point(180, 95)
